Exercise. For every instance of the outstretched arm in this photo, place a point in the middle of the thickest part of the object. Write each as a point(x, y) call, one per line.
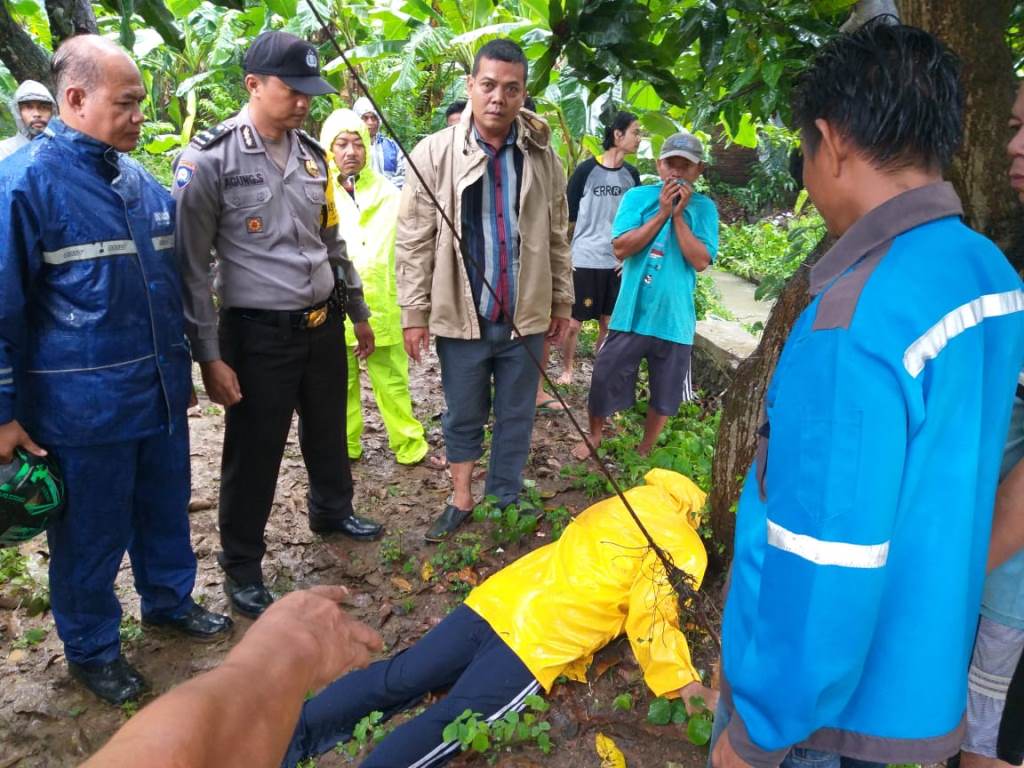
point(244, 711)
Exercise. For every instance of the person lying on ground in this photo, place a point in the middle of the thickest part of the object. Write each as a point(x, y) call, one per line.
point(664, 234)
point(544, 615)
point(243, 711)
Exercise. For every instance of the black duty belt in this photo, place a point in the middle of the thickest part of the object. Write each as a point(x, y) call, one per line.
point(301, 318)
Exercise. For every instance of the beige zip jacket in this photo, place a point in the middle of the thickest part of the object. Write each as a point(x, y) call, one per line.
point(433, 284)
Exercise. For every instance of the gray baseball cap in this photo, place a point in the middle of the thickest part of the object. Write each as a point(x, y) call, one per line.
point(683, 144)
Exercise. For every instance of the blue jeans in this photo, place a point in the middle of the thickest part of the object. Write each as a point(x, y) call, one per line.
point(461, 653)
point(798, 757)
point(469, 369)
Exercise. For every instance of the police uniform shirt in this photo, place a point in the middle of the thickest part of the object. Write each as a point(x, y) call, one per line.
point(275, 233)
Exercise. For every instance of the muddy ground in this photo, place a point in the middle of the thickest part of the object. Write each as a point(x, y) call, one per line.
point(48, 720)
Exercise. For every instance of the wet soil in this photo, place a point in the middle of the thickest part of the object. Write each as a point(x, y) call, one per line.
point(46, 719)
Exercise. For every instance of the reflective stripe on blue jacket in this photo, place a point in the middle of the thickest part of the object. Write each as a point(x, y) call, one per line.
point(92, 343)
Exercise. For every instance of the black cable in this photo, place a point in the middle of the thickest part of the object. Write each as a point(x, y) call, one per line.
point(679, 579)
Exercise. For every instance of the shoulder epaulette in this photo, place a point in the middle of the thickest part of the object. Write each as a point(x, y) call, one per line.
point(312, 142)
point(209, 137)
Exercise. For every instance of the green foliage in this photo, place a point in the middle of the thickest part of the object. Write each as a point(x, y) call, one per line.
point(129, 709)
point(558, 517)
point(24, 578)
point(686, 445)
point(31, 637)
point(472, 732)
point(463, 552)
point(623, 702)
point(131, 630)
point(770, 251)
point(516, 521)
point(391, 552)
point(707, 299)
point(662, 711)
point(367, 732)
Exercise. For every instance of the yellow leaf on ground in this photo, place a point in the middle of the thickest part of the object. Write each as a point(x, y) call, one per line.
point(402, 584)
point(611, 756)
point(427, 571)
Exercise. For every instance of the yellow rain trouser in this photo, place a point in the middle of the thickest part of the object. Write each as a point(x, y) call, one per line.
point(388, 368)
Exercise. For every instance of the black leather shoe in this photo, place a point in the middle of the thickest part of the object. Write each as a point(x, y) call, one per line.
point(198, 623)
point(115, 682)
point(353, 526)
point(250, 600)
point(446, 523)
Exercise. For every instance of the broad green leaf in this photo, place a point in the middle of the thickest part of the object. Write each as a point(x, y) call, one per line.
point(698, 730)
point(181, 9)
point(286, 9)
point(659, 712)
point(658, 124)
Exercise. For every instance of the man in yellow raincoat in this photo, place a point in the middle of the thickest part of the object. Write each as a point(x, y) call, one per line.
point(368, 216)
point(544, 615)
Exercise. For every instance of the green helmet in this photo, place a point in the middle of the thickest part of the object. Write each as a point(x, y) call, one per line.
point(31, 495)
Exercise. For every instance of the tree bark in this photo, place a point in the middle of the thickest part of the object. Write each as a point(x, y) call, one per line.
point(742, 404)
point(976, 32)
point(69, 18)
point(23, 58)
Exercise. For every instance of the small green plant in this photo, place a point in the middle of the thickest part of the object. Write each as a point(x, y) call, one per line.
point(31, 638)
point(558, 517)
point(130, 708)
point(472, 732)
point(391, 552)
point(74, 712)
point(213, 410)
point(511, 524)
point(464, 552)
point(131, 630)
point(367, 732)
point(623, 702)
point(408, 605)
point(664, 711)
point(24, 578)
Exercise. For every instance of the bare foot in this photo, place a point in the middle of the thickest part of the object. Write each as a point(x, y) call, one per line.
point(643, 449)
point(437, 461)
point(549, 404)
point(581, 452)
point(565, 378)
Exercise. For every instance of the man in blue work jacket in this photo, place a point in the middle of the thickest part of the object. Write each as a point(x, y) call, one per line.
point(863, 527)
point(94, 364)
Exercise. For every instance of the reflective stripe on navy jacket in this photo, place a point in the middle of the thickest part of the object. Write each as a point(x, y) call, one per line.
point(92, 343)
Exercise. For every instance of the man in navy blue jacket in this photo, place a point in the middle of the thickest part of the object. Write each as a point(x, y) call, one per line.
point(863, 527)
point(94, 364)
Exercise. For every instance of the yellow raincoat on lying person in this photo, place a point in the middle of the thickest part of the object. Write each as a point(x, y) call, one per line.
point(560, 604)
point(368, 221)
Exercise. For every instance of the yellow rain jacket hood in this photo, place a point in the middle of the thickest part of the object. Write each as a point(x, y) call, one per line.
point(368, 224)
point(560, 604)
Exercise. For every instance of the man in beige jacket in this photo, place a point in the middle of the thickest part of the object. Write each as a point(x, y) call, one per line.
point(502, 185)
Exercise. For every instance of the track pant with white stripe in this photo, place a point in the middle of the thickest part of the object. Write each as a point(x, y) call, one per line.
point(461, 653)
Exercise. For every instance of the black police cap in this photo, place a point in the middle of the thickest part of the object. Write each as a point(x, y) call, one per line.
point(289, 58)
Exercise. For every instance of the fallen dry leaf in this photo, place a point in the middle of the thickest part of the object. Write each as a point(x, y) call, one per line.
point(611, 756)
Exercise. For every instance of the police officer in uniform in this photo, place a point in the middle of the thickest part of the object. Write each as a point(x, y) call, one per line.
point(255, 189)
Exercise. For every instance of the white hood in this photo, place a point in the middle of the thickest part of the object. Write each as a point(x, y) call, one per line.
point(29, 90)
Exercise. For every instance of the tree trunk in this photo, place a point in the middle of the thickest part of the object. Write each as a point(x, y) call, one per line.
point(976, 32)
point(69, 18)
point(741, 407)
point(23, 58)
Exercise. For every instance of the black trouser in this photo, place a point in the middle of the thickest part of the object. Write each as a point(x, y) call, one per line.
point(1010, 746)
point(280, 370)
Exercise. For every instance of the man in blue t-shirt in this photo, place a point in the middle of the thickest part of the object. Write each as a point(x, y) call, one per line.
point(664, 234)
